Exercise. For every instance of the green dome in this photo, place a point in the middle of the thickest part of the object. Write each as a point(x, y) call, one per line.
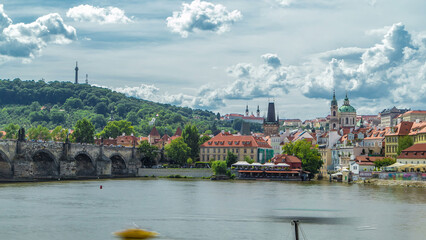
point(347, 108)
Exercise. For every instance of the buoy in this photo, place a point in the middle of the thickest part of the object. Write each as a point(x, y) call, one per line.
point(100, 187)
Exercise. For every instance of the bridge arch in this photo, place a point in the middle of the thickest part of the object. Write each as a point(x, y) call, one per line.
point(45, 164)
point(6, 167)
point(118, 165)
point(85, 165)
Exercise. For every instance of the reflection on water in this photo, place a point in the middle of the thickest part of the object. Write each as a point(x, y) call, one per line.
point(204, 210)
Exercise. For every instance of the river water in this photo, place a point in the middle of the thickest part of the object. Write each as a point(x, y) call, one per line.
point(207, 210)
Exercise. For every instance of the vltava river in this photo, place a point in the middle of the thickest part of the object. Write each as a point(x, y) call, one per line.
point(206, 210)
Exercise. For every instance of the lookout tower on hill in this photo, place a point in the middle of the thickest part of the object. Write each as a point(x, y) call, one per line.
point(76, 72)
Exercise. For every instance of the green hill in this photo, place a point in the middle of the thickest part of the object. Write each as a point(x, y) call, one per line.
point(32, 103)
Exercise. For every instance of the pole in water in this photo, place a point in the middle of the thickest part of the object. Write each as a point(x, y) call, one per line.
point(296, 228)
point(100, 187)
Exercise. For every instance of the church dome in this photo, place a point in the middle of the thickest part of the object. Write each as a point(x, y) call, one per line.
point(347, 108)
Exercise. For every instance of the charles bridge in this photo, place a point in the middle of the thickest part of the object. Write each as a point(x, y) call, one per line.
point(27, 160)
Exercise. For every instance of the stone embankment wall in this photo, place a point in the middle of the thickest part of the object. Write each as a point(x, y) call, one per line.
point(164, 172)
point(400, 183)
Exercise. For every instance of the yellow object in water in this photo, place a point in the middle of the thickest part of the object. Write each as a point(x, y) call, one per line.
point(135, 233)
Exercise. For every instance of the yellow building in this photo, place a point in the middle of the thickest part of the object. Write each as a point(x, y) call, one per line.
point(392, 138)
point(413, 116)
point(418, 132)
point(326, 159)
point(218, 147)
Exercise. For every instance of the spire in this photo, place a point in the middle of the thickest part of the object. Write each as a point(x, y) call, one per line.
point(247, 110)
point(271, 113)
point(87, 78)
point(258, 111)
point(346, 102)
point(76, 72)
point(334, 101)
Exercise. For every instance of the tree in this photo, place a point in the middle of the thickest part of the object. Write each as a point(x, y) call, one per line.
point(218, 116)
point(189, 161)
point(178, 151)
point(191, 137)
point(11, 131)
point(219, 167)
point(149, 152)
point(84, 131)
point(248, 159)
point(384, 162)
point(309, 155)
point(231, 159)
point(114, 129)
point(133, 118)
point(203, 139)
point(57, 117)
point(73, 103)
point(404, 143)
point(39, 133)
point(99, 121)
point(101, 108)
point(59, 134)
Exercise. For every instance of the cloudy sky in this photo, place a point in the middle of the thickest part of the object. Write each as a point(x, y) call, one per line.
point(222, 55)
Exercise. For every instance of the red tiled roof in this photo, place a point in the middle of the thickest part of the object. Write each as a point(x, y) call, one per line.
point(414, 111)
point(229, 140)
point(418, 128)
point(154, 132)
point(178, 132)
point(417, 151)
point(292, 120)
point(253, 118)
point(285, 158)
point(402, 129)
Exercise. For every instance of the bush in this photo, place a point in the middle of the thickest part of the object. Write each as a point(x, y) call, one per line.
point(219, 167)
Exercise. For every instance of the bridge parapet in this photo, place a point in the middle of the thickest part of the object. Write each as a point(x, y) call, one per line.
point(30, 159)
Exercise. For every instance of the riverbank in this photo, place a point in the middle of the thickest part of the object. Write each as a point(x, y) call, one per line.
point(400, 183)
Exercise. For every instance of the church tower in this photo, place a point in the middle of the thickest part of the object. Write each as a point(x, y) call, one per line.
point(347, 114)
point(258, 111)
point(270, 125)
point(334, 114)
point(76, 72)
point(247, 111)
point(87, 78)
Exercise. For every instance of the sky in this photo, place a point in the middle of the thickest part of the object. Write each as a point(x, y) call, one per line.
point(224, 55)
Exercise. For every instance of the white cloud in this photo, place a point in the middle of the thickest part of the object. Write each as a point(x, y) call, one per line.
point(391, 72)
point(27, 40)
point(88, 13)
point(202, 16)
point(394, 69)
point(306, 3)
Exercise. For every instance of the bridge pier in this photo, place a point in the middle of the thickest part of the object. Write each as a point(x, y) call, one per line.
point(30, 160)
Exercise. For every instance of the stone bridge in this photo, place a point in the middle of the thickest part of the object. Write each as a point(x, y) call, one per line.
point(21, 160)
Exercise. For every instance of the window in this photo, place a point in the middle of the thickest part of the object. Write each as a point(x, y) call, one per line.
point(334, 113)
point(245, 150)
point(347, 120)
